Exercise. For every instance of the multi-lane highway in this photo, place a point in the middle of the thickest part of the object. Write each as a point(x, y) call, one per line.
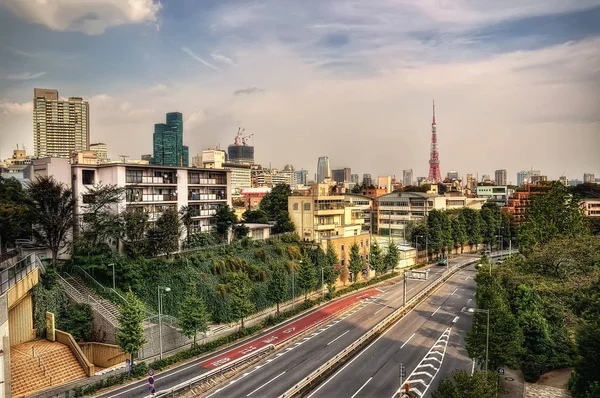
point(275, 375)
point(429, 342)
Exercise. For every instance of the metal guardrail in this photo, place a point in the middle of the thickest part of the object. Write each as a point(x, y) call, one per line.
point(380, 327)
point(215, 372)
point(88, 299)
point(15, 273)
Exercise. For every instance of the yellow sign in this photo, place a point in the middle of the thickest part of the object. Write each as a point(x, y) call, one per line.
point(50, 335)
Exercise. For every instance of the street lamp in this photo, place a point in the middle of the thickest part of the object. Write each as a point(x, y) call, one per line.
point(113, 272)
point(166, 289)
point(487, 341)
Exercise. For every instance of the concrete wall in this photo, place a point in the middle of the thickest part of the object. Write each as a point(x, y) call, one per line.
point(171, 339)
point(5, 381)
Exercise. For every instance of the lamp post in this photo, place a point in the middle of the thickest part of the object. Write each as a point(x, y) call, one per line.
point(487, 340)
point(113, 272)
point(166, 289)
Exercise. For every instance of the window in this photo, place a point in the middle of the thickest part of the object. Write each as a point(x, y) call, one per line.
point(295, 207)
point(87, 177)
point(88, 199)
point(307, 206)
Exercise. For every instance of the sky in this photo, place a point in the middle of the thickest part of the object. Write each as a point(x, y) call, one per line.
point(516, 83)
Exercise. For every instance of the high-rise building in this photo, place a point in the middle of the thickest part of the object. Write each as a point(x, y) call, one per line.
point(341, 175)
point(500, 177)
point(407, 177)
point(168, 142)
point(102, 151)
point(589, 177)
point(323, 169)
point(434, 157)
point(452, 175)
point(59, 126)
point(301, 177)
point(525, 176)
point(367, 180)
point(385, 183)
point(354, 178)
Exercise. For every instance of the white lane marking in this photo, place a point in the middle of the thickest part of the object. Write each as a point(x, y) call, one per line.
point(338, 337)
point(363, 386)
point(408, 291)
point(455, 319)
point(468, 301)
point(381, 309)
point(379, 289)
point(467, 277)
point(406, 342)
point(273, 379)
point(454, 291)
point(438, 308)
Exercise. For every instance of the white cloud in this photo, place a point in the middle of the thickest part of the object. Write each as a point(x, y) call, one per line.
point(23, 76)
point(91, 17)
point(222, 58)
point(197, 58)
point(158, 88)
point(15, 108)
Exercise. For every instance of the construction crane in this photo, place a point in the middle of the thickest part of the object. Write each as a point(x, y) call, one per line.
point(239, 136)
point(246, 138)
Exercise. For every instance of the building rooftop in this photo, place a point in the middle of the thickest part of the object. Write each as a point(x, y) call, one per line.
point(256, 190)
point(256, 226)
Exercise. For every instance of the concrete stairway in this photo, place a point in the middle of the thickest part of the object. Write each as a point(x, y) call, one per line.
point(40, 364)
point(82, 293)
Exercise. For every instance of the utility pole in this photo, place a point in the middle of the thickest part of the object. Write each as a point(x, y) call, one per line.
point(404, 302)
point(402, 370)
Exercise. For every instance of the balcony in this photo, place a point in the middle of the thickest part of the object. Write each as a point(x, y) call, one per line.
point(172, 180)
point(206, 196)
point(324, 227)
point(205, 213)
point(151, 198)
point(206, 181)
point(329, 211)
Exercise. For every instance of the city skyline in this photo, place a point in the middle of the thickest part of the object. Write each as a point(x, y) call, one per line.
point(334, 84)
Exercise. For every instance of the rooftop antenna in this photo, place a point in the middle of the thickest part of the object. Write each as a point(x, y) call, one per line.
point(123, 158)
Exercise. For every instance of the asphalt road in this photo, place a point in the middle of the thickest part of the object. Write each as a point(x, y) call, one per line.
point(440, 320)
point(273, 376)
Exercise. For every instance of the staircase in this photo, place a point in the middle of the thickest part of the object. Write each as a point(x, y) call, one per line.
point(81, 293)
point(41, 364)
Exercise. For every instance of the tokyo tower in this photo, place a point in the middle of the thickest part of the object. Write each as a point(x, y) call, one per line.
point(434, 160)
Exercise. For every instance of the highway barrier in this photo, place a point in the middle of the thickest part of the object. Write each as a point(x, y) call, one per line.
point(334, 362)
point(215, 372)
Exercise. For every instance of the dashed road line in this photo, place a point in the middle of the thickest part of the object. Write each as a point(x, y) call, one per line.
point(338, 337)
point(406, 342)
point(363, 386)
point(434, 312)
point(273, 379)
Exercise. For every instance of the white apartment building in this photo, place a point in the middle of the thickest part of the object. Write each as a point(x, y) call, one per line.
point(496, 194)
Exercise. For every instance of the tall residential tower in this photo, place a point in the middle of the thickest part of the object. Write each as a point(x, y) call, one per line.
point(59, 126)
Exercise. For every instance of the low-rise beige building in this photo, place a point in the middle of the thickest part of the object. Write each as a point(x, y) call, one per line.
point(591, 207)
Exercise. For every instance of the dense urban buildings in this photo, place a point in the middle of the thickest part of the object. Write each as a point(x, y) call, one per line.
point(59, 126)
point(526, 176)
point(323, 169)
point(452, 175)
point(496, 194)
point(301, 177)
point(341, 175)
point(520, 199)
point(367, 180)
point(168, 142)
point(500, 177)
point(102, 151)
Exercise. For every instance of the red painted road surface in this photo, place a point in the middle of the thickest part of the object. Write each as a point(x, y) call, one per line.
point(288, 331)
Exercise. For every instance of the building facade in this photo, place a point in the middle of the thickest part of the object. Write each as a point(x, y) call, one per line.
point(240, 176)
point(589, 177)
point(407, 177)
point(452, 175)
point(519, 200)
point(367, 180)
point(385, 183)
point(501, 177)
point(59, 126)
point(354, 178)
point(253, 196)
point(341, 175)
point(323, 169)
point(496, 194)
point(591, 207)
point(301, 177)
point(168, 142)
point(241, 154)
point(102, 151)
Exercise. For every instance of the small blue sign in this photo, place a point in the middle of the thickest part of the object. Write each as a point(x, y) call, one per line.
point(151, 389)
point(151, 380)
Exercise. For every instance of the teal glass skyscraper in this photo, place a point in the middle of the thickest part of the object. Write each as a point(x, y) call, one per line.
point(168, 142)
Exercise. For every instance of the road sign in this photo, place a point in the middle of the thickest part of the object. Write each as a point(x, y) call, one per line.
point(150, 372)
point(151, 380)
point(152, 390)
point(500, 371)
point(422, 275)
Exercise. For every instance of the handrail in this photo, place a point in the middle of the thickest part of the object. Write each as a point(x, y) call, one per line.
point(81, 298)
point(216, 371)
point(41, 362)
point(91, 278)
point(15, 273)
point(110, 316)
point(67, 339)
point(390, 319)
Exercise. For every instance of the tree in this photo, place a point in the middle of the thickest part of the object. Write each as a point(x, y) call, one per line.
point(331, 272)
point(588, 346)
point(464, 385)
point(100, 221)
point(51, 207)
point(356, 261)
point(240, 231)
point(224, 219)
point(130, 336)
point(283, 223)
point(357, 189)
point(307, 277)
point(193, 316)
point(135, 227)
point(166, 232)
point(392, 256)
point(257, 216)
point(492, 222)
point(15, 221)
point(459, 232)
point(440, 230)
point(187, 214)
point(240, 305)
point(276, 201)
point(376, 258)
point(277, 285)
point(472, 221)
point(553, 214)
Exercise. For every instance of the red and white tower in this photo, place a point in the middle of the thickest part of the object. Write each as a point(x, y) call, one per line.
point(434, 160)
